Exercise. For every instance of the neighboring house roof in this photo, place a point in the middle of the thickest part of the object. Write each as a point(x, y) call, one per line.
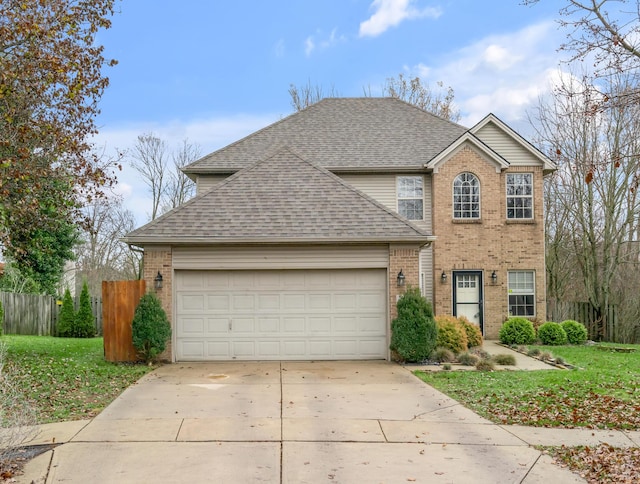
point(344, 134)
point(282, 199)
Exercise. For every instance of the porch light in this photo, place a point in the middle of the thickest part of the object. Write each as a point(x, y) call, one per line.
point(443, 277)
point(400, 279)
point(494, 277)
point(157, 281)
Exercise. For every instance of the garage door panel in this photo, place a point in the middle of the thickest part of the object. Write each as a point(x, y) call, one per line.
point(283, 314)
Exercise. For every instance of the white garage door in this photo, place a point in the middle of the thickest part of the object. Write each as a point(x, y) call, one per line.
point(288, 314)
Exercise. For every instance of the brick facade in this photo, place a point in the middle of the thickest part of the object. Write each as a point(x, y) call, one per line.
point(489, 244)
point(407, 259)
point(159, 259)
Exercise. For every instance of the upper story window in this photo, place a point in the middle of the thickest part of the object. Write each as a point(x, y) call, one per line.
point(466, 196)
point(520, 195)
point(410, 197)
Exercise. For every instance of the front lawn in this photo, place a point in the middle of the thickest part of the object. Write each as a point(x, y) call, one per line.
point(604, 393)
point(66, 378)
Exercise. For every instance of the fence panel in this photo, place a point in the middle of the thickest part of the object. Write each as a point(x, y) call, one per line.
point(585, 314)
point(30, 314)
point(119, 302)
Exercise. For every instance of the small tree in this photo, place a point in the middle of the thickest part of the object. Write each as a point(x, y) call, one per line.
point(67, 317)
point(85, 323)
point(414, 331)
point(150, 327)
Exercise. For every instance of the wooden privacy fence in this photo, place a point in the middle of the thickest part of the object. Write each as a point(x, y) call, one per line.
point(37, 315)
point(119, 302)
point(584, 313)
point(31, 314)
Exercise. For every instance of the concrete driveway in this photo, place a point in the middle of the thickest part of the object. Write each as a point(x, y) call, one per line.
point(293, 422)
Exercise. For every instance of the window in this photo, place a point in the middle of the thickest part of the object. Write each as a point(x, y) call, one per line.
point(520, 195)
point(466, 196)
point(466, 281)
point(410, 197)
point(522, 293)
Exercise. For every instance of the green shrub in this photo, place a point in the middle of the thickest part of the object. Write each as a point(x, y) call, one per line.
point(485, 365)
point(442, 355)
point(1, 319)
point(474, 335)
point(150, 327)
point(67, 317)
point(504, 360)
point(576, 332)
point(517, 330)
point(446, 367)
point(414, 332)
point(451, 334)
point(85, 322)
point(468, 359)
point(552, 334)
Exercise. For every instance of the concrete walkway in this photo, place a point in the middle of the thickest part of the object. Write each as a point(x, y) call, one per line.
point(297, 422)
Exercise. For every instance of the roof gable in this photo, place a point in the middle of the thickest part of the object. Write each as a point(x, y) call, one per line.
point(503, 139)
point(468, 138)
point(282, 199)
point(343, 134)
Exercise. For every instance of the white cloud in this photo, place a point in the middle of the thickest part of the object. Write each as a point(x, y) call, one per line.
point(309, 45)
point(390, 13)
point(503, 74)
point(322, 42)
point(279, 49)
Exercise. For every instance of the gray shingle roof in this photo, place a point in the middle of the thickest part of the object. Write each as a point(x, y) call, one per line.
point(280, 199)
point(344, 133)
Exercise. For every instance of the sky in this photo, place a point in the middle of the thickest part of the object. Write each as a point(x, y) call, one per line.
point(213, 71)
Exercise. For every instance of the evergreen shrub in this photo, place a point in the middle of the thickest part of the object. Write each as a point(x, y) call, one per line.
point(517, 330)
point(413, 336)
point(552, 334)
point(66, 317)
point(150, 327)
point(576, 332)
point(85, 322)
point(451, 334)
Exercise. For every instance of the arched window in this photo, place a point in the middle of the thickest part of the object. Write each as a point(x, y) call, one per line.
point(466, 196)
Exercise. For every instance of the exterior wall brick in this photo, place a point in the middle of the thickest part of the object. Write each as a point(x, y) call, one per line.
point(159, 259)
point(492, 243)
point(407, 259)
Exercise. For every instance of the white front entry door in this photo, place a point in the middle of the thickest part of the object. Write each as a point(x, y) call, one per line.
point(467, 295)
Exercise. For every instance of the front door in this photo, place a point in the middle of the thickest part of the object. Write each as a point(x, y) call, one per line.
point(467, 296)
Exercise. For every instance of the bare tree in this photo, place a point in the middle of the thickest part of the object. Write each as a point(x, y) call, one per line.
point(438, 102)
point(304, 96)
point(413, 91)
point(180, 187)
point(594, 187)
point(149, 158)
point(101, 255)
point(606, 33)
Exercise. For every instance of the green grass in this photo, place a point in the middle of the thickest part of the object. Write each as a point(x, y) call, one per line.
point(66, 378)
point(603, 393)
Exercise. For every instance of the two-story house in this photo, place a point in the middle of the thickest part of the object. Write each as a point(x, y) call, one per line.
point(303, 234)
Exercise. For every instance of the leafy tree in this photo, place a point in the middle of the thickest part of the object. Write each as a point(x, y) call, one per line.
point(51, 79)
point(85, 322)
point(67, 316)
point(150, 327)
point(15, 281)
point(413, 332)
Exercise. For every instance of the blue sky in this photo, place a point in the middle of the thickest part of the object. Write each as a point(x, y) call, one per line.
point(214, 71)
